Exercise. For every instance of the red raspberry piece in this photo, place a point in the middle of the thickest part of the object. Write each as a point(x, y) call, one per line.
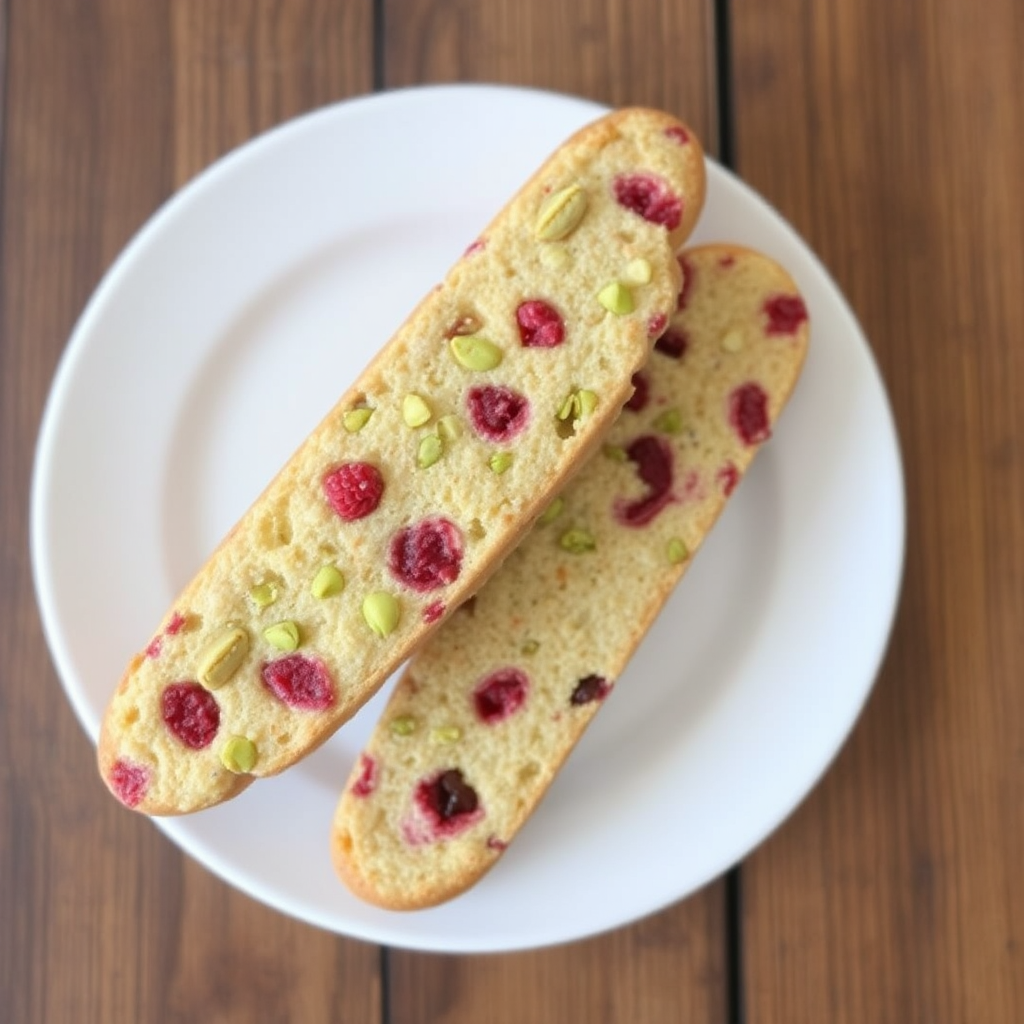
point(656, 324)
point(474, 247)
point(368, 777)
point(748, 413)
point(540, 325)
point(641, 392)
point(785, 313)
point(673, 343)
point(686, 288)
point(433, 611)
point(176, 625)
point(191, 713)
point(497, 413)
point(426, 555)
point(494, 843)
point(354, 489)
point(590, 688)
point(300, 682)
point(129, 781)
point(500, 694)
point(729, 477)
point(654, 463)
point(727, 261)
point(155, 645)
point(679, 134)
point(649, 197)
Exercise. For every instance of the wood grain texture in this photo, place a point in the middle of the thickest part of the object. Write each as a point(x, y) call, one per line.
point(612, 51)
point(671, 967)
point(102, 919)
point(892, 136)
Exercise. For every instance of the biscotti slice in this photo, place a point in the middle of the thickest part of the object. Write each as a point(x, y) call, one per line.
point(491, 706)
point(421, 479)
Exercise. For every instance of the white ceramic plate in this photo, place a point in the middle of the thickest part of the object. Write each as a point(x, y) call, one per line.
point(233, 321)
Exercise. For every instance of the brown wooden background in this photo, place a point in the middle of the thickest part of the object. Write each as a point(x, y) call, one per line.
point(891, 135)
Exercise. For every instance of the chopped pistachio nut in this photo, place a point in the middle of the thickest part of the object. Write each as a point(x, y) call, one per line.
point(500, 461)
point(638, 271)
point(238, 755)
point(220, 659)
point(474, 352)
point(616, 298)
point(449, 428)
point(577, 541)
point(561, 213)
point(677, 551)
point(614, 452)
point(415, 411)
point(446, 734)
point(282, 635)
point(263, 594)
point(530, 647)
point(733, 341)
point(569, 407)
point(430, 450)
point(381, 612)
point(669, 422)
point(587, 403)
point(403, 725)
point(328, 582)
point(552, 512)
point(555, 256)
point(355, 419)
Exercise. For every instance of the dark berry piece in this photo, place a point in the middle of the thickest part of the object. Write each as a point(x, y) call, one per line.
point(785, 313)
point(368, 776)
point(540, 325)
point(191, 713)
point(447, 805)
point(129, 781)
point(590, 688)
point(354, 489)
point(497, 413)
point(426, 555)
point(654, 464)
point(500, 694)
point(649, 197)
point(673, 343)
point(641, 393)
point(748, 413)
point(300, 682)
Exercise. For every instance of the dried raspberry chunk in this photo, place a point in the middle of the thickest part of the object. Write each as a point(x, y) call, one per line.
point(500, 694)
point(129, 780)
point(300, 682)
point(433, 611)
point(785, 313)
point(649, 197)
point(686, 288)
point(497, 413)
point(540, 325)
point(748, 413)
point(678, 134)
point(728, 476)
point(191, 713)
point(673, 343)
point(354, 489)
point(654, 464)
point(426, 555)
point(641, 393)
point(368, 776)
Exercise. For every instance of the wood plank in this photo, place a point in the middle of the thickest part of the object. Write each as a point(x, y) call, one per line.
point(891, 135)
point(106, 111)
point(670, 967)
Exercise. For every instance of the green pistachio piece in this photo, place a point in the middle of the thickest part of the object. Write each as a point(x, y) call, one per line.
point(561, 213)
point(500, 461)
point(616, 298)
point(577, 541)
point(238, 755)
point(415, 411)
point(403, 725)
point(282, 635)
point(430, 450)
point(638, 271)
point(677, 551)
point(530, 647)
point(446, 734)
point(449, 428)
point(221, 658)
point(669, 422)
point(614, 452)
point(474, 352)
point(355, 419)
point(381, 612)
point(552, 512)
point(328, 582)
point(263, 595)
point(587, 403)
point(569, 407)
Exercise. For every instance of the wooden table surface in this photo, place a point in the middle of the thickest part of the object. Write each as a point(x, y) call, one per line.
point(892, 136)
